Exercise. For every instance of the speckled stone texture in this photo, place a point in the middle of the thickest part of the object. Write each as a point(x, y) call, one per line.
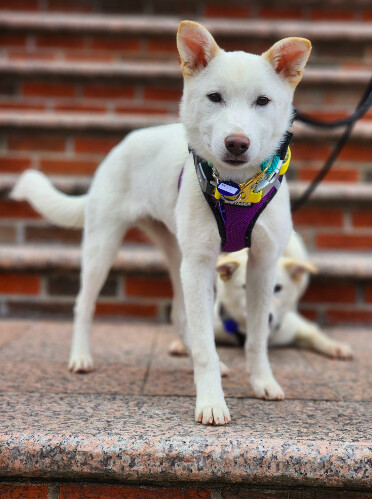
point(132, 418)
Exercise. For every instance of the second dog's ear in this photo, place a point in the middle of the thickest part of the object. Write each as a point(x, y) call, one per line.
point(196, 47)
point(297, 268)
point(226, 269)
point(289, 57)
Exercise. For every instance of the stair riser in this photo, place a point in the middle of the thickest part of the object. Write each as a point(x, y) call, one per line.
point(328, 301)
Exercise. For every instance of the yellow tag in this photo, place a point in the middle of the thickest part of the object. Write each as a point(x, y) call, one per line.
point(285, 165)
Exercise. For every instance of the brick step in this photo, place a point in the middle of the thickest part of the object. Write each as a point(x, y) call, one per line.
point(127, 429)
point(150, 87)
point(102, 37)
point(44, 280)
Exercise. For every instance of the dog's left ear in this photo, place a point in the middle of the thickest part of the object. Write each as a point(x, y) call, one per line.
point(226, 269)
point(196, 47)
point(297, 268)
point(289, 57)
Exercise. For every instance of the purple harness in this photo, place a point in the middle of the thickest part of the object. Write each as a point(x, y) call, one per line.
point(235, 222)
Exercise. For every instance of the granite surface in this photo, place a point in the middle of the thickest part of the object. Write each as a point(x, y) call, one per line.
point(131, 419)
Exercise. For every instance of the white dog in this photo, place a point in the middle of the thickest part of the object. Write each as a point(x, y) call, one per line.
point(235, 111)
point(287, 326)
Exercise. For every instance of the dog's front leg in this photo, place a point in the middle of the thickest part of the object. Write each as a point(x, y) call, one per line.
point(261, 274)
point(197, 274)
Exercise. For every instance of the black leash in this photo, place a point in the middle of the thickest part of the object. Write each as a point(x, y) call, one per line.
point(363, 106)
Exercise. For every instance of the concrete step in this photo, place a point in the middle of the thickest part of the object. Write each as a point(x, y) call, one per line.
point(148, 36)
point(127, 429)
point(43, 280)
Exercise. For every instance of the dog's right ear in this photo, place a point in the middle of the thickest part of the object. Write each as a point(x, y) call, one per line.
point(196, 47)
point(226, 269)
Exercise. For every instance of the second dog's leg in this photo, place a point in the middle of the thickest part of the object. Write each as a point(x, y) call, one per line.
point(261, 275)
point(100, 246)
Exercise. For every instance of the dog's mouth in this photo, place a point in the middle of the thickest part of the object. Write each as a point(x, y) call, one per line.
point(235, 162)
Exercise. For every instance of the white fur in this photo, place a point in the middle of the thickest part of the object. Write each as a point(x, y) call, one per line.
point(287, 326)
point(137, 183)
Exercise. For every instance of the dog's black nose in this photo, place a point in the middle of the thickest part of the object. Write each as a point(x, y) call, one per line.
point(270, 319)
point(237, 144)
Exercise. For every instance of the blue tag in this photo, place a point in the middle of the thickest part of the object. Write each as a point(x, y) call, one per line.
point(230, 326)
point(228, 189)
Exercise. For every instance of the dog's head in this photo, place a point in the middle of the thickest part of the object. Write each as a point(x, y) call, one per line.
point(237, 106)
point(292, 279)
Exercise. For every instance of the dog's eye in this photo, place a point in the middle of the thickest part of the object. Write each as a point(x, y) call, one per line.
point(278, 288)
point(215, 97)
point(262, 100)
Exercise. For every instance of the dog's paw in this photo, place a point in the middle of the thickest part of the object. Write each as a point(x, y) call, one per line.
point(267, 388)
point(339, 350)
point(224, 370)
point(81, 364)
point(177, 348)
point(212, 413)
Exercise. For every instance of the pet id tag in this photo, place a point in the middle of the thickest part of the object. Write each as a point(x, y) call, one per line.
point(228, 189)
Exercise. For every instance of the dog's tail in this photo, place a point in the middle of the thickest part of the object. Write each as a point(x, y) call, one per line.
point(58, 208)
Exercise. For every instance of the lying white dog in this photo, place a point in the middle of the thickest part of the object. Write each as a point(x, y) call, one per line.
point(287, 326)
point(236, 110)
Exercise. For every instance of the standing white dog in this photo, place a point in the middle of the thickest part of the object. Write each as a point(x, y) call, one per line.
point(235, 110)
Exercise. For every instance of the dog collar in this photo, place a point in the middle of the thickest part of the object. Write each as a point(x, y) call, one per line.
point(230, 325)
point(251, 191)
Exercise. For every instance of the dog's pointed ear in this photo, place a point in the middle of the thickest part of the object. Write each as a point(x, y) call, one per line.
point(196, 47)
point(297, 268)
point(289, 57)
point(227, 268)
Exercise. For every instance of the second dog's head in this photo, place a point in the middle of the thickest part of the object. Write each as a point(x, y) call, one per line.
point(237, 106)
point(291, 281)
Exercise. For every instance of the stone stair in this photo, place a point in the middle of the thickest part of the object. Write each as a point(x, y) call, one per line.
point(75, 77)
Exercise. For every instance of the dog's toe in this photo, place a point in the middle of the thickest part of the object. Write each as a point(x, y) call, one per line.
point(81, 364)
point(216, 414)
point(267, 388)
point(341, 351)
point(224, 370)
point(177, 348)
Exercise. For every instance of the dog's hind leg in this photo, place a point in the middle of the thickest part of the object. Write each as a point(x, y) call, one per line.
point(102, 238)
point(168, 244)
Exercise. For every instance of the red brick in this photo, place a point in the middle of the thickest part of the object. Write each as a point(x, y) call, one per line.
point(23, 55)
point(52, 40)
point(84, 55)
point(226, 11)
point(332, 14)
point(23, 491)
point(108, 91)
point(356, 152)
point(368, 293)
point(330, 293)
point(141, 110)
point(22, 105)
point(162, 45)
point(367, 15)
point(93, 108)
point(68, 167)
point(115, 43)
point(148, 287)
point(94, 145)
point(362, 218)
point(8, 234)
point(48, 89)
point(352, 242)
point(126, 310)
point(310, 152)
point(279, 13)
point(161, 93)
point(12, 40)
point(50, 233)
point(335, 175)
point(135, 235)
point(69, 6)
point(311, 315)
point(19, 5)
point(353, 316)
point(318, 217)
point(19, 284)
point(97, 491)
point(36, 142)
point(17, 209)
point(14, 165)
